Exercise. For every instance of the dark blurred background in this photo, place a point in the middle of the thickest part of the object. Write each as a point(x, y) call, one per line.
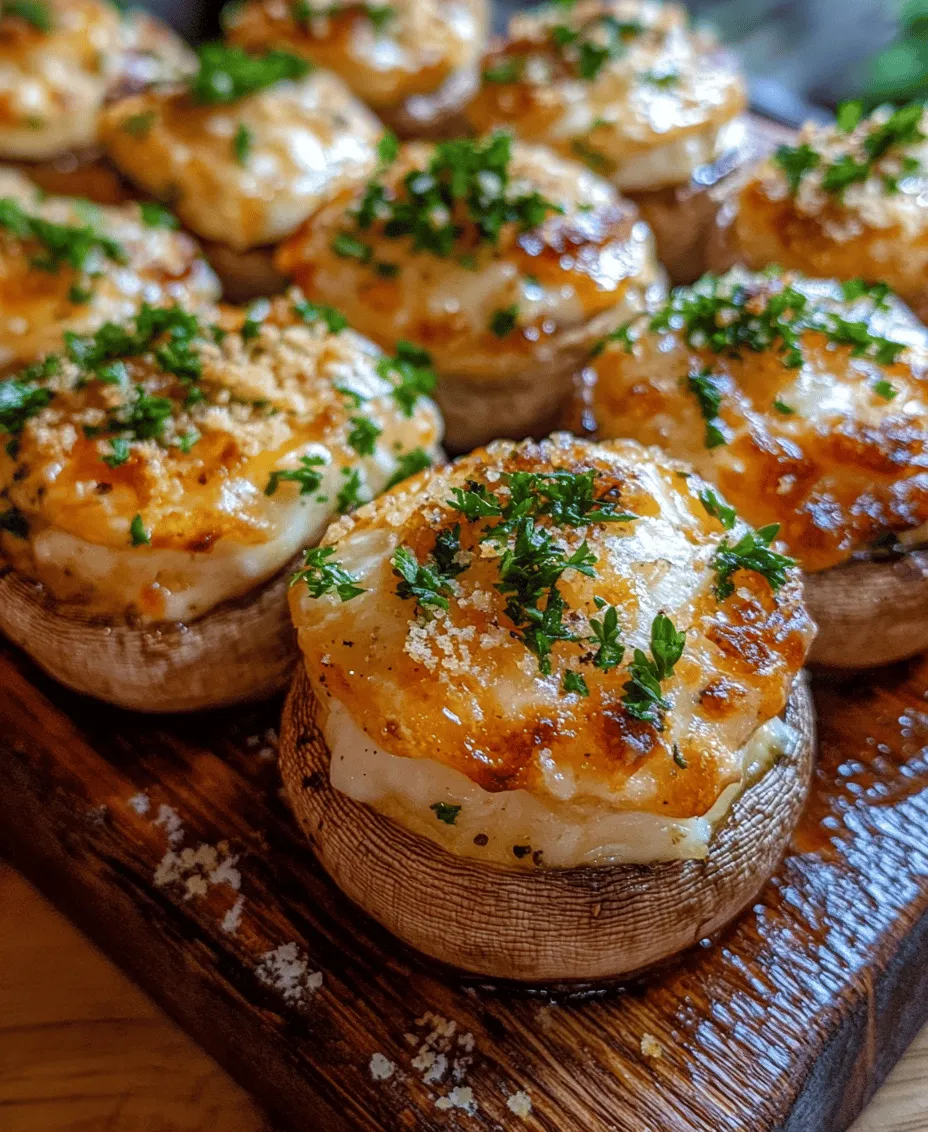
point(803, 56)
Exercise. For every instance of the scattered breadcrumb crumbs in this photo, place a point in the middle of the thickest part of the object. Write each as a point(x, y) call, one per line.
point(462, 1096)
point(520, 1103)
point(381, 1067)
point(286, 969)
point(232, 919)
point(651, 1047)
point(141, 803)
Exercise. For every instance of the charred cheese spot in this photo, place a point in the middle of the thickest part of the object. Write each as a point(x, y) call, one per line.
point(485, 309)
point(227, 473)
point(413, 49)
point(248, 172)
point(456, 695)
point(624, 85)
point(40, 301)
point(830, 443)
point(875, 226)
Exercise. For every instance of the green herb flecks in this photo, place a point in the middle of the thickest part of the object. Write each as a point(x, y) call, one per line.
point(465, 184)
point(36, 13)
point(410, 373)
point(752, 552)
point(717, 509)
point(59, 244)
point(307, 475)
point(323, 575)
point(643, 699)
point(138, 535)
point(312, 313)
point(228, 73)
point(704, 387)
point(445, 812)
point(408, 464)
point(242, 143)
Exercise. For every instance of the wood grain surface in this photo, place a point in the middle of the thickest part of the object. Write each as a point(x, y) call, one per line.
point(82, 1049)
point(168, 842)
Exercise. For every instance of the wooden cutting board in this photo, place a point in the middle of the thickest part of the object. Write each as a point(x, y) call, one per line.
point(167, 841)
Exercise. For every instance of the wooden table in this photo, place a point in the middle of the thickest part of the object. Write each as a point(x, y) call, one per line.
point(83, 1050)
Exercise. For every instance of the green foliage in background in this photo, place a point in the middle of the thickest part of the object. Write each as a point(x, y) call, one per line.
point(900, 71)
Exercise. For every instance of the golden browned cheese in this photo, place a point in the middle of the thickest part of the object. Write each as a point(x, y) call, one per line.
point(412, 49)
point(460, 686)
point(61, 59)
point(624, 85)
point(875, 227)
point(485, 308)
point(831, 443)
point(145, 486)
point(41, 297)
point(245, 173)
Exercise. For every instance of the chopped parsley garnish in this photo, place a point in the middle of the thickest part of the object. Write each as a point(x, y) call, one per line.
point(137, 533)
point(155, 215)
point(574, 682)
point(227, 73)
point(643, 699)
point(589, 48)
point(726, 515)
point(704, 386)
point(784, 409)
point(796, 161)
point(465, 183)
point(610, 650)
point(306, 475)
point(119, 452)
point(727, 318)
point(445, 812)
point(139, 125)
point(309, 312)
point(388, 148)
point(187, 441)
point(242, 143)
point(60, 244)
point(351, 494)
point(363, 435)
point(379, 14)
point(14, 522)
point(886, 390)
point(416, 460)
point(752, 552)
point(428, 584)
point(901, 128)
point(678, 758)
point(323, 575)
point(79, 295)
point(21, 398)
point(507, 70)
point(503, 322)
point(33, 12)
point(410, 373)
point(590, 157)
point(878, 293)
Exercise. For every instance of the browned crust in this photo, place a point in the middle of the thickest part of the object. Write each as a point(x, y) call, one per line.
point(558, 925)
point(243, 650)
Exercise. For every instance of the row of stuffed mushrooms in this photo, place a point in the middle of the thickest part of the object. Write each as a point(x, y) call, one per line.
point(525, 674)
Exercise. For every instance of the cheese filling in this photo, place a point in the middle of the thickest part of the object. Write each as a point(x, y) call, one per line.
point(515, 827)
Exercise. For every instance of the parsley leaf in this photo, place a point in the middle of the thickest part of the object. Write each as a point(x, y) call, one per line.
point(21, 398)
point(752, 552)
point(507, 70)
point(227, 73)
point(411, 374)
point(503, 322)
point(119, 453)
point(445, 812)
point(242, 143)
point(610, 651)
point(574, 682)
point(137, 533)
point(408, 464)
point(309, 312)
point(886, 390)
point(704, 387)
point(60, 244)
point(352, 494)
point(323, 575)
point(306, 475)
point(33, 12)
point(427, 584)
point(155, 215)
point(796, 161)
point(643, 699)
point(363, 435)
point(726, 515)
point(388, 148)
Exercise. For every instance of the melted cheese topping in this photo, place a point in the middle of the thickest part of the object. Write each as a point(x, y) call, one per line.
point(869, 229)
point(845, 467)
point(459, 689)
point(654, 112)
point(517, 827)
point(53, 84)
point(306, 141)
point(37, 305)
point(416, 50)
point(579, 272)
point(215, 532)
